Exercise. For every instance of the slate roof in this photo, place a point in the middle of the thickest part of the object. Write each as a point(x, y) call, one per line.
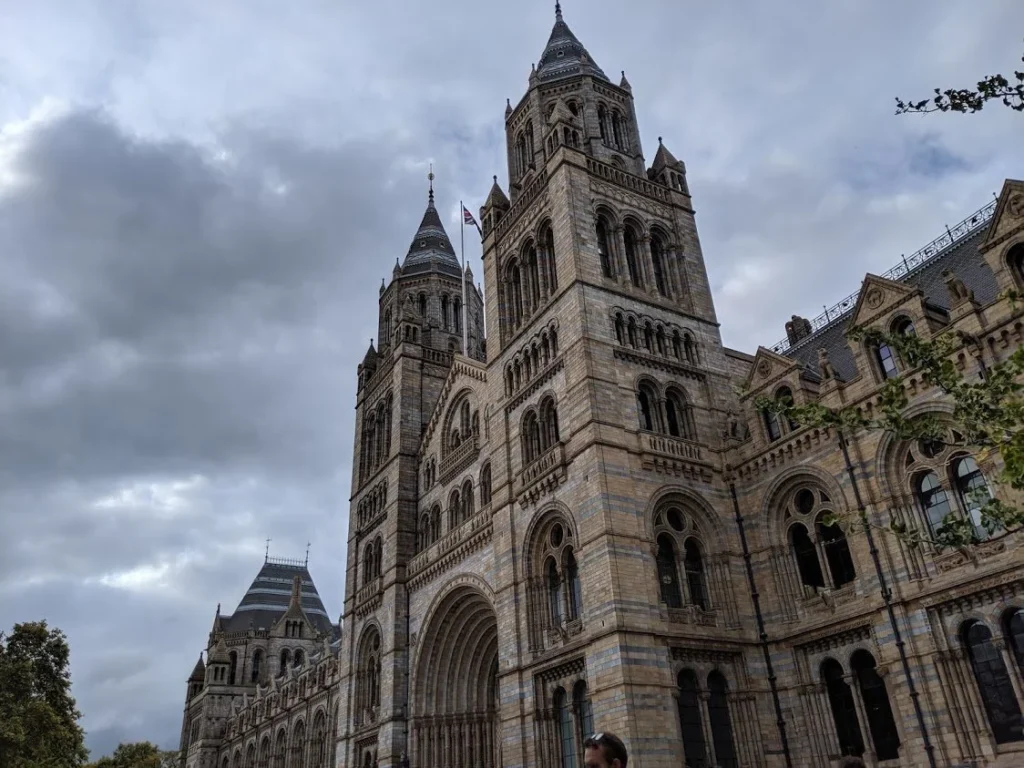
point(565, 55)
point(961, 258)
point(431, 249)
point(268, 596)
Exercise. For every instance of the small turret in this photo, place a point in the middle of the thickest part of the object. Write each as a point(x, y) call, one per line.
point(667, 170)
point(624, 83)
point(197, 679)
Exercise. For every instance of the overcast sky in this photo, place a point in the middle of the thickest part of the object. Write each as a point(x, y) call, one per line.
point(198, 201)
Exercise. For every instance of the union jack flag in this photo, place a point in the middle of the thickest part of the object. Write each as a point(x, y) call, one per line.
point(467, 217)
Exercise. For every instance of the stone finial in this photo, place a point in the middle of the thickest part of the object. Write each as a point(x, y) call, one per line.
point(959, 293)
point(828, 371)
point(798, 328)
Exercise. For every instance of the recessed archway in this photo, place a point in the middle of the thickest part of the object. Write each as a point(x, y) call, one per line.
point(456, 684)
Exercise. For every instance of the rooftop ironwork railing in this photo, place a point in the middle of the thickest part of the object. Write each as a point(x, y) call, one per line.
point(901, 271)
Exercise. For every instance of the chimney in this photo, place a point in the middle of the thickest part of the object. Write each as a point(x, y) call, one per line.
point(798, 328)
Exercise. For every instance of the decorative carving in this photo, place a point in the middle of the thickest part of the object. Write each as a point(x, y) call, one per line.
point(1015, 205)
point(959, 293)
point(764, 368)
point(828, 371)
point(874, 298)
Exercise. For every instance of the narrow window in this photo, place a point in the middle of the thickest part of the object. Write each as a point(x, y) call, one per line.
point(973, 491)
point(658, 262)
point(565, 730)
point(233, 656)
point(602, 249)
point(993, 678)
point(554, 593)
point(696, 583)
point(886, 361)
point(572, 576)
point(645, 402)
point(933, 499)
point(844, 711)
point(548, 239)
point(444, 313)
point(257, 666)
point(620, 329)
point(668, 573)
point(771, 425)
point(694, 746)
point(584, 712)
point(1015, 258)
point(806, 557)
point(631, 332)
point(1015, 634)
point(721, 722)
point(632, 261)
point(485, 485)
point(837, 552)
point(423, 305)
point(881, 723)
point(784, 395)
point(677, 346)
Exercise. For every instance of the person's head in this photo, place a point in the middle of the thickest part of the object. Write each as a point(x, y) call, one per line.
point(604, 750)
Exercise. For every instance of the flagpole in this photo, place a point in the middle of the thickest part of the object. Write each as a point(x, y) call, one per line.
point(465, 306)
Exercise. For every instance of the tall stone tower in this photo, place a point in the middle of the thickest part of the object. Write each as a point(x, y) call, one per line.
point(502, 513)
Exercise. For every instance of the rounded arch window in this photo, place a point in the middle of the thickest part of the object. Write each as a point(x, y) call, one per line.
point(676, 519)
point(1015, 260)
point(556, 577)
point(994, 684)
point(680, 559)
point(903, 326)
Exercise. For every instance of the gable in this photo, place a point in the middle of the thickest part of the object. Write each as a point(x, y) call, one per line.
point(768, 368)
point(464, 373)
point(878, 296)
point(1008, 219)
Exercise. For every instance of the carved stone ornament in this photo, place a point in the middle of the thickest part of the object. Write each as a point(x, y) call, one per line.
point(1016, 205)
point(874, 298)
point(764, 368)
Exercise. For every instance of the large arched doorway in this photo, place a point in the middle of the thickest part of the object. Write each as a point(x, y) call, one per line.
point(456, 688)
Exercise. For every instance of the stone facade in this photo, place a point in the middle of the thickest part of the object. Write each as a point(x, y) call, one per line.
point(585, 524)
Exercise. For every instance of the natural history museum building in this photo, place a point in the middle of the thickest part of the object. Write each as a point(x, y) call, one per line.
point(582, 522)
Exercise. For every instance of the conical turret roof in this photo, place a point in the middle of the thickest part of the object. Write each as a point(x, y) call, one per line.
point(565, 55)
point(198, 672)
point(663, 158)
point(431, 249)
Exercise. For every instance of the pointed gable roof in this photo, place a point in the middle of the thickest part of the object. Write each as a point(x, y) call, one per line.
point(565, 55)
point(431, 249)
point(269, 596)
point(497, 197)
point(663, 158)
point(198, 672)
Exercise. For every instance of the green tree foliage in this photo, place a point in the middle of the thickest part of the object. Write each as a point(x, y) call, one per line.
point(987, 421)
point(38, 718)
point(140, 755)
point(1008, 91)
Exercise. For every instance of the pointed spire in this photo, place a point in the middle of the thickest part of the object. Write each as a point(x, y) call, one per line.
point(497, 197)
point(431, 246)
point(565, 55)
point(663, 158)
point(430, 176)
point(508, 108)
point(199, 672)
point(624, 83)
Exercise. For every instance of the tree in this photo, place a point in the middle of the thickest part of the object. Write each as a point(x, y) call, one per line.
point(38, 718)
point(139, 755)
point(987, 421)
point(971, 100)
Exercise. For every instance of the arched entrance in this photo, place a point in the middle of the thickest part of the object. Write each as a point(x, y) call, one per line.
point(456, 685)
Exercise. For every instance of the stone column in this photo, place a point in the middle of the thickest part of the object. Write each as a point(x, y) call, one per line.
point(705, 723)
point(827, 719)
point(973, 708)
point(862, 716)
point(949, 692)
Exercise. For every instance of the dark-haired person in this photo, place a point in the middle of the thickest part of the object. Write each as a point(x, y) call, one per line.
point(604, 750)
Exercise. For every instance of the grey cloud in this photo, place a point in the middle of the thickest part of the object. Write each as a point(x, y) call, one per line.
point(166, 315)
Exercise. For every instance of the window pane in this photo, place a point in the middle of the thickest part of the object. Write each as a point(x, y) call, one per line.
point(668, 576)
point(806, 557)
point(721, 722)
point(933, 499)
point(994, 684)
point(690, 722)
point(837, 553)
point(881, 722)
point(694, 566)
point(844, 711)
point(566, 730)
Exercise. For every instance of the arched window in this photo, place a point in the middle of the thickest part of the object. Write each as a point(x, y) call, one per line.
point(298, 745)
point(696, 582)
point(533, 273)
point(286, 657)
point(658, 262)
point(233, 656)
point(549, 424)
point(454, 511)
point(632, 256)
point(602, 249)
point(514, 294)
point(886, 360)
point(575, 589)
point(300, 658)
point(647, 399)
point(694, 746)
point(620, 328)
point(784, 395)
point(423, 305)
point(677, 346)
point(584, 712)
point(1015, 259)
point(485, 485)
point(837, 552)
point(457, 315)
point(531, 438)
point(565, 729)
point(445, 317)
point(721, 722)
point(806, 557)
point(973, 490)
point(548, 243)
point(668, 573)
point(660, 340)
point(904, 326)
point(679, 415)
point(264, 759)
point(554, 583)
point(435, 523)
point(689, 349)
point(602, 119)
point(368, 564)
point(617, 130)
point(368, 676)
point(1015, 635)
point(844, 711)
point(648, 337)
point(771, 425)
point(631, 332)
point(881, 723)
point(933, 499)
point(994, 685)
point(257, 666)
